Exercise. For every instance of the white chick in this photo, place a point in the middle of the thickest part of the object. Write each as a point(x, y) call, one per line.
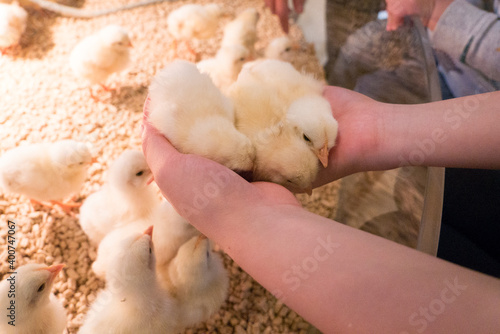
point(198, 280)
point(46, 171)
point(132, 301)
point(193, 21)
point(203, 125)
point(26, 299)
point(281, 48)
point(242, 30)
point(101, 54)
point(170, 232)
point(224, 68)
point(125, 198)
point(13, 21)
point(285, 85)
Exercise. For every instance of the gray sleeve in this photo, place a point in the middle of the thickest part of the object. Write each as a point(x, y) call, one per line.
point(471, 36)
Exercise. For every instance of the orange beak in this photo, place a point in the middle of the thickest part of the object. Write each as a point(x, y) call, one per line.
point(93, 160)
point(149, 231)
point(130, 45)
point(322, 154)
point(54, 270)
point(199, 240)
point(295, 46)
point(151, 179)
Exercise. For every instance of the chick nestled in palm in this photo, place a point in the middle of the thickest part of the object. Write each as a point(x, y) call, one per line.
point(36, 309)
point(193, 21)
point(196, 117)
point(125, 198)
point(47, 173)
point(99, 55)
point(13, 21)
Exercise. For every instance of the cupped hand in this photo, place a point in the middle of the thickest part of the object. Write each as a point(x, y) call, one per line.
point(203, 191)
point(357, 141)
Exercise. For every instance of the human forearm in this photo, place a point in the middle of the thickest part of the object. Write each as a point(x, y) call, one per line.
point(461, 132)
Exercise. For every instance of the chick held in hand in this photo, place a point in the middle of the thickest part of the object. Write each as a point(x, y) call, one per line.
point(28, 303)
point(198, 280)
point(186, 107)
point(311, 113)
point(193, 21)
point(101, 54)
point(132, 301)
point(47, 173)
point(13, 21)
point(124, 198)
point(224, 68)
point(242, 30)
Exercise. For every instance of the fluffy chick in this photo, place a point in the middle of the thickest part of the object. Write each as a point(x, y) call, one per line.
point(132, 301)
point(281, 48)
point(126, 197)
point(13, 21)
point(101, 54)
point(45, 171)
point(193, 21)
point(203, 125)
point(198, 281)
point(242, 30)
point(37, 310)
point(224, 68)
point(170, 232)
point(285, 85)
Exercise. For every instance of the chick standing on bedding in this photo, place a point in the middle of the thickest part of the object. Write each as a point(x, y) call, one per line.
point(132, 301)
point(242, 30)
point(196, 117)
point(13, 20)
point(170, 232)
point(46, 172)
point(311, 114)
point(126, 197)
point(36, 309)
point(281, 48)
point(193, 21)
point(198, 280)
point(101, 54)
point(225, 67)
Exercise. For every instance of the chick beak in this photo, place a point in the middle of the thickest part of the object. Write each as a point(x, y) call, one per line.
point(93, 160)
point(149, 231)
point(322, 154)
point(151, 179)
point(199, 240)
point(130, 45)
point(295, 46)
point(308, 190)
point(54, 270)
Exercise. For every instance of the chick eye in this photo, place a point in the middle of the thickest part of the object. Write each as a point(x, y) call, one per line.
point(306, 138)
point(150, 250)
point(41, 287)
point(288, 49)
point(139, 173)
point(242, 59)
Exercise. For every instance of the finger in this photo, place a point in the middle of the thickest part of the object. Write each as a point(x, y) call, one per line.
point(298, 6)
point(394, 21)
point(270, 5)
point(282, 12)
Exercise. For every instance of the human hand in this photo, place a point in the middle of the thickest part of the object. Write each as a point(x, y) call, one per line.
point(206, 193)
point(280, 8)
point(359, 122)
point(429, 11)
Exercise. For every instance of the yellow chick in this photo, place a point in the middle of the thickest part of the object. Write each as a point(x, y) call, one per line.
point(311, 114)
point(193, 21)
point(28, 304)
point(198, 281)
point(203, 125)
point(170, 232)
point(46, 171)
point(132, 301)
point(242, 30)
point(125, 198)
point(101, 54)
point(13, 21)
point(281, 48)
point(224, 68)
